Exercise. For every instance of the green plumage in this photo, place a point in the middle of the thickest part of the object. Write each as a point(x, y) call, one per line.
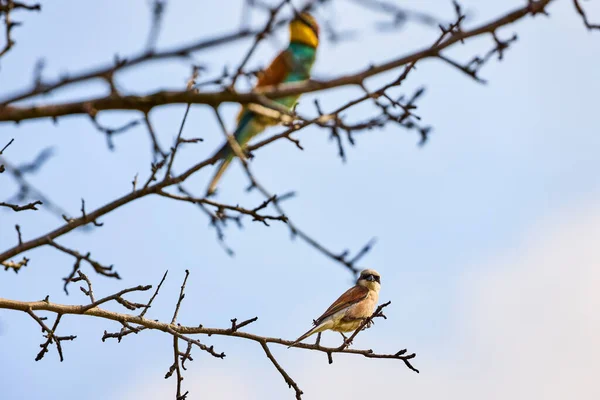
point(299, 59)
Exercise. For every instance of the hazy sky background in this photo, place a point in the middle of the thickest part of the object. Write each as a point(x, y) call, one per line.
point(487, 237)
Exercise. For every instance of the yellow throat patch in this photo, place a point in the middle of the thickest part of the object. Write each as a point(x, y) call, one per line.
point(304, 29)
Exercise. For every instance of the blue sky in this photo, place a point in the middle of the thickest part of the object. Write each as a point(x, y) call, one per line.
point(485, 235)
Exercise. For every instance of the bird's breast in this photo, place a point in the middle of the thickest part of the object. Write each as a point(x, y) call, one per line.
point(364, 308)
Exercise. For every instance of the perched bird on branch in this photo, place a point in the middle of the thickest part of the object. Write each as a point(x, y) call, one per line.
point(291, 65)
point(351, 309)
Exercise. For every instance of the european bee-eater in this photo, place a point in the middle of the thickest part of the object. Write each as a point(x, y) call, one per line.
point(291, 65)
point(351, 309)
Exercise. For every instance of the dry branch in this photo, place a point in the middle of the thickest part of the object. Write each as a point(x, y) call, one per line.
point(162, 178)
point(214, 99)
point(137, 323)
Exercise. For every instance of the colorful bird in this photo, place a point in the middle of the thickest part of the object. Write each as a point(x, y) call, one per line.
point(291, 65)
point(351, 309)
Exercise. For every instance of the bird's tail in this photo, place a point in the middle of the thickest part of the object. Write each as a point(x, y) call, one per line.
point(314, 330)
point(212, 187)
point(244, 131)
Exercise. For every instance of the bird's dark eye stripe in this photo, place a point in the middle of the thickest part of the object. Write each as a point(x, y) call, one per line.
point(375, 277)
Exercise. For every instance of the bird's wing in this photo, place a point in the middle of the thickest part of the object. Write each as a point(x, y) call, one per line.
point(350, 297)
point(274, 74)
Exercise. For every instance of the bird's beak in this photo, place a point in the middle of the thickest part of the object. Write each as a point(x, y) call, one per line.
point(370, 278)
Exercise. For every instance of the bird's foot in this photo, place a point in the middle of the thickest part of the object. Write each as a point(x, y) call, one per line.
point(318, 341)
point(346, 341)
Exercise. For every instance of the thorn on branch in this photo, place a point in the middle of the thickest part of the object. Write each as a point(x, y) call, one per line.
point(235, 326)
point(85, 217)
point(134, 183)
point(537, 7)
point(19, 237)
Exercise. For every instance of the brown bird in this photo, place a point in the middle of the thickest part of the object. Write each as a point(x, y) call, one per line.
point(351, 308)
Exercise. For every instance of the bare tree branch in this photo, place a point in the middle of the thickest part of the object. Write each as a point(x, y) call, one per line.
point(169, 181)
point(583, 15)
point(137, 323)
point(6, 9)
point(147, 102)
point(30, 206)
point(121, 64)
